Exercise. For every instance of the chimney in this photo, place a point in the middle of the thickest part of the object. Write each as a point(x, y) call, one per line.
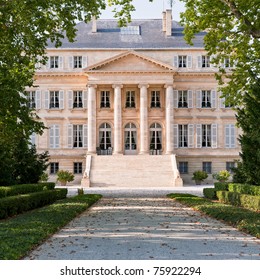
point(168, 22)
point(164, 21)
point(94, 24)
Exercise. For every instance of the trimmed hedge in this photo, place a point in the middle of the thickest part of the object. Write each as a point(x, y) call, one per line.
point(244, 189)
point(13, 205)
point(237, 199)
point(221, 186)
point(209, 193)
point(25, 188)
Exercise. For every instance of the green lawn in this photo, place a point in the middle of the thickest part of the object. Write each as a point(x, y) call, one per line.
point(243, 219)
point(20, 234)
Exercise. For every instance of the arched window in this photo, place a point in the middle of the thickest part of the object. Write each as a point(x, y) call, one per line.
point(130, 138)
point(155, 137)
point(105, 136)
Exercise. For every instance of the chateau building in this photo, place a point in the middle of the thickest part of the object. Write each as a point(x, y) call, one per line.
point(122, 101)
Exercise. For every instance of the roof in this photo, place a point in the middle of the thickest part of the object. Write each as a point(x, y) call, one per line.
point(109, 36)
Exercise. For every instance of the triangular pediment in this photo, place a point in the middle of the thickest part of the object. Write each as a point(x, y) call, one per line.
point(130, 61)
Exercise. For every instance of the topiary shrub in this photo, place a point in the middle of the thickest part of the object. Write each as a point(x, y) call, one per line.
point(209, 193)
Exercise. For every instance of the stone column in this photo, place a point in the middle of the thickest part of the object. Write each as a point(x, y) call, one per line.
point(143, 119)
point(92, 119)
point(117, 120)
point(169, 119)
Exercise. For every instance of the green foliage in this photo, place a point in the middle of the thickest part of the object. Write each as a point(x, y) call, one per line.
point(222, 175)
point(221, 186)
point(21, 234)
point(199, 175)
point(209, 193)
point(244, 189)
point(239, 173)
point(244, 219)
point(44, 177)
point(13, 205)
point(64, 176)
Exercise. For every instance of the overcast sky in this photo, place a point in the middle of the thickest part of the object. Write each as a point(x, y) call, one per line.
point(146, 9)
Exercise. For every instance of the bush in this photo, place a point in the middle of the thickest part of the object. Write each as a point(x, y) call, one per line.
point(199, 175)
point(209, 193)
point(221, 176)
point(64, 176)
point(244, 188)
point(25, 188)
point(13, 205)
point(221, 186)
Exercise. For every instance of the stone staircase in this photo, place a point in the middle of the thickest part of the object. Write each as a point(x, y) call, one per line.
point(134, 171)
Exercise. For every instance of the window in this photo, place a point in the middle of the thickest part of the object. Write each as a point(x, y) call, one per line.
point(31, 99)
point(54, 136)
point(206, 135)
point(230, 165)
point(54, 62)
point(183, 135)
point(77, 99)
point(130, 99)
point(54, 167)
point(182, 61)
point(183, 99)
point(207, 167)
point(230, 138)
point(205, 61)
point(105, 136)
point(227, 63)
point(77, 61)
point(77, 167)
point(78, 136)
point(155, 137)
point(155, 100)
point(206, 99)
point(183, 167)
point(105, 99)
point(130, 30)
point(54, 99)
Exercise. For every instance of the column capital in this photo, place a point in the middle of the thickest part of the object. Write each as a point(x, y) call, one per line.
point(117, 86)
point(168, 85)
point(91, 85)
point(143, 85)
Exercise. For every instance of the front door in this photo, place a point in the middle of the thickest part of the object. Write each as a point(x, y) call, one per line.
point(130, 139)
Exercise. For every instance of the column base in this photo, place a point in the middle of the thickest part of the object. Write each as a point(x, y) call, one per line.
point(85, 182)
point(144, 153)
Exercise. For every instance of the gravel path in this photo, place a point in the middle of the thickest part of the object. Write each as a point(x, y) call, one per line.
point(129, 226)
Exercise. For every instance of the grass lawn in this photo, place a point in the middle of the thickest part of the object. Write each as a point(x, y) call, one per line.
point(20, 234)
point(243, 219)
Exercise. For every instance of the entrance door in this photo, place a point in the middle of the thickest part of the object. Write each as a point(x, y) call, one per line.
point(130, 139)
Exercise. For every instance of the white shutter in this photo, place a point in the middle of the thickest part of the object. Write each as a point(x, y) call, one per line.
point(213, 98)
point(175, 99)
point(56, 136)
point(232, 136)
point(61, 99)
point(48, 63)
point(47, 99)
point(227, 136)
point(198, 99)
point(51, 136)
point(70, 135)
point(199, 135)
point(175, 61)
point(60, 62)
point(70, 99)
point(38, 99)
point(85, 135)
point(190, 99)
point(222, 101)
point(71, 66)
point(84, 61)
point(175, 136)
point(33, 138)
point(190, 135)
point(85, 99)
point(214, 136)
point(189, 60)
point(199, 61)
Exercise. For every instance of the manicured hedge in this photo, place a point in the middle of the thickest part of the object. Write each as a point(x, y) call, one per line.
point(237, 199)
point(221, 186)
point(24, 189)
point(13, 205)
point(209, 193)
point(244, 188)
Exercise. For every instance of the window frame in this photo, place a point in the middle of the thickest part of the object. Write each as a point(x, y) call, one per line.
point(54, 62)
point(54, 168)
point(105, 99)
point(77, 62)
point(183, 167)
point(207, 166)
point(54, 103)
point(77, 167)
point(155, 99)
point(76, 99)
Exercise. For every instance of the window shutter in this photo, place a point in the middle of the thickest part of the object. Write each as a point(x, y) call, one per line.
point(70, 99)
point(175, 136)
point(51, 136)
point(175, 99)
point(190, 135)
point(189, 60)
point(85, 99)
point(60, 62)
point(85, 135)
point(227, 136)
point(84, 61)
point(47, 99)
point(70, 135)
point(56, 136)
point(48, 63)
point(71, 66)
point(199, 61)
point(61, 99)
point(199, 135)
point(213, 98)
point(222, 101)
point(212, 65)
point(232, 136)
point(190, 99)
point(198, 98)
point(214, 135)
point(33, 138)
point(38, 99)
point(175, 61)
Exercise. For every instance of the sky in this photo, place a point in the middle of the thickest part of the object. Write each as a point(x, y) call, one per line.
point(152, 10)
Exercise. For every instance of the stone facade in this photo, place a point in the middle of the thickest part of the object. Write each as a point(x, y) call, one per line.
point(131, 95)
